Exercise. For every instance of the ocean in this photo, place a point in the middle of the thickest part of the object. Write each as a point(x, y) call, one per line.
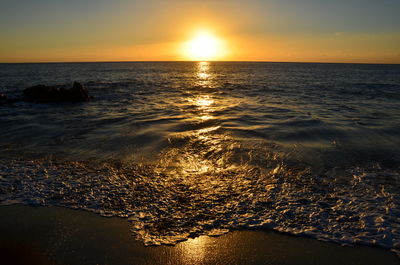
point(184, 149)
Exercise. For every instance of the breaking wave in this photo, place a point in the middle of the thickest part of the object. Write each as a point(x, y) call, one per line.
point(347, 206)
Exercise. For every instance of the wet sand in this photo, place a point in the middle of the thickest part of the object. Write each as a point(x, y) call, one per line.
point(54, 235)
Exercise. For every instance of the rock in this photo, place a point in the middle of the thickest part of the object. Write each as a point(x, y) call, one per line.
point(78, 91)
point(42, 94)
point(49, 94)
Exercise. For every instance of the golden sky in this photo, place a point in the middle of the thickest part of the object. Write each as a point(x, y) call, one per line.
point(254, 30)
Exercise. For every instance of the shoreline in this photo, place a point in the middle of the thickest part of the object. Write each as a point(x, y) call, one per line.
point(58, 235)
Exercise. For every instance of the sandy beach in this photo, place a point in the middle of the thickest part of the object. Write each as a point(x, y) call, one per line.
point(53, 235)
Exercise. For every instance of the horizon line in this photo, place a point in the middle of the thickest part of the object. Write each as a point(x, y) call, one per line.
point(185, 61)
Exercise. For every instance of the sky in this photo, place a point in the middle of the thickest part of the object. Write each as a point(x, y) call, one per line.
point(365, 31)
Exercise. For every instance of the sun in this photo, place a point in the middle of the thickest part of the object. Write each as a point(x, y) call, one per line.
point(204, 46)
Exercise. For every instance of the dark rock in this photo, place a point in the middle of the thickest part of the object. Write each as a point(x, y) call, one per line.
point(78, 91)
point(42, 94)
point(49, 94)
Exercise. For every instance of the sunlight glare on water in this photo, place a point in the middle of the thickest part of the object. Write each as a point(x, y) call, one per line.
point(194, 250)
point(204, 77)
point(192, 158)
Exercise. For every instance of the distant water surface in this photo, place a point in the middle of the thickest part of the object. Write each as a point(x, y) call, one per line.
point(184, 149)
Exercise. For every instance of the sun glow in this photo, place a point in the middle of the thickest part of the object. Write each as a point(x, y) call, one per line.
point(204, 46)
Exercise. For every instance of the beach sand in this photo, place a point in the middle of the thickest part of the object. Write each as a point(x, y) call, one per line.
point(55, 235)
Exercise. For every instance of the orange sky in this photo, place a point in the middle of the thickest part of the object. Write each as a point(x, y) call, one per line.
point(121, 30)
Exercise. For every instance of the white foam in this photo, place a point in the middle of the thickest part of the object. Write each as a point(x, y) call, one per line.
point(358, 207)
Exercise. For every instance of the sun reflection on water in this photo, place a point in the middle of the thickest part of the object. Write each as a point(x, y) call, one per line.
point(201, 148)
point(206, 117)
point(203, 101)
point(194, 250)
point(203, 74)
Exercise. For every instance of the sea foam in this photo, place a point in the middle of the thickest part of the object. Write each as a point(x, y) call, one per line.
point(347, 206)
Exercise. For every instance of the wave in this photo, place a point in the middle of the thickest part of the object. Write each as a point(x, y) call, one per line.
point(343, 205)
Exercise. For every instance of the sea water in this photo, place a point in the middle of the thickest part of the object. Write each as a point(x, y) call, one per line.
point(184, 149)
